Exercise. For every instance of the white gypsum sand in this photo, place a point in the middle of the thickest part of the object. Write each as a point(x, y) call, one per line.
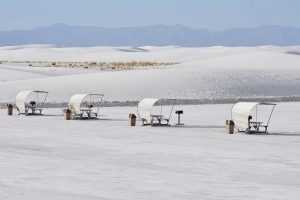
point(50, 158)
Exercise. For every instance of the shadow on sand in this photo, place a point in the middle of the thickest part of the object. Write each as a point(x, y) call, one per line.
point(53, 115)
point(193, 126)
point(293, 134)
point(285, 134)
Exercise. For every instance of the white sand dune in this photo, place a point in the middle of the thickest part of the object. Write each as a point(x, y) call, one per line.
point(214, 72)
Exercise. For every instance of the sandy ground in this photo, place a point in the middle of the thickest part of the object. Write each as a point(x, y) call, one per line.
point(49, 158)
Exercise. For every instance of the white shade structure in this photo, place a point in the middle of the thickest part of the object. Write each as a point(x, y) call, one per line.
point(76, 100)
point(241, 115)
point(145, 107)
point(37, 105)
point(81, 105)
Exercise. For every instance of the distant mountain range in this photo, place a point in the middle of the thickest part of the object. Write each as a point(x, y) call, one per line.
point(157, 35)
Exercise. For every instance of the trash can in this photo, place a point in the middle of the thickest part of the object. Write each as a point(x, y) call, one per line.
point(132, 119)
point(229, 127)
point(9, 109)
point(67, 114)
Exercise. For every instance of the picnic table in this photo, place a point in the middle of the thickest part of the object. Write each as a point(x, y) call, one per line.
point(33, 109)
point(255, 125)
point(87, 111)
point(158, 118)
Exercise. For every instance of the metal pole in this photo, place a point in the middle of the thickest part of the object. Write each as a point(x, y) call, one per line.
point(171, 111)
point(90, 102)
point(271, 115)
point(256, 114)
point(99, 101)
point(42, 107)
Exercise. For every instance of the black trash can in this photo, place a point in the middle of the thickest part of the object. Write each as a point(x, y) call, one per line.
point(229, 127)
point(67, 114)
point(10, 109)
point(132, 119)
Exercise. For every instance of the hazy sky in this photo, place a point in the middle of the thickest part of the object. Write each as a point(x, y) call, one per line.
point(208, 14)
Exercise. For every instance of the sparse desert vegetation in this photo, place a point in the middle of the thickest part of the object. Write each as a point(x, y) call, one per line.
point(3, 61)
point(126, 65)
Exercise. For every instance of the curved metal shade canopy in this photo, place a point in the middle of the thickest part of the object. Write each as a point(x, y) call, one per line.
point(241, 111)
point(22, 96)
point(76, 100)
point(144, 108)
